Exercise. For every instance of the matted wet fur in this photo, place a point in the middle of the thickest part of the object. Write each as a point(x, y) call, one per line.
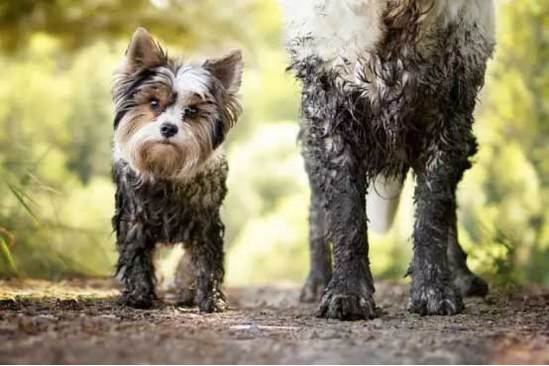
point(377, 106)
point(171, 119)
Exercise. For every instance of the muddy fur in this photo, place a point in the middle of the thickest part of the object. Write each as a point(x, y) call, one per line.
point(170, 212)
point(406, 104)
point(171, 119)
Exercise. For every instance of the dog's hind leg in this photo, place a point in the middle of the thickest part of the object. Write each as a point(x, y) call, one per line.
point(466, 281)
point(320, 271)
point(185, 280)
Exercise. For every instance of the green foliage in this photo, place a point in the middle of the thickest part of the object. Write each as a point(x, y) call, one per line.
point(6, 258)
point(505, 198)
point(56, 198)
point(82, 22)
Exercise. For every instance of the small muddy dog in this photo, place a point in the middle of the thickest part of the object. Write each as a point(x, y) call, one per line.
point(388, 86)
point(171, 119)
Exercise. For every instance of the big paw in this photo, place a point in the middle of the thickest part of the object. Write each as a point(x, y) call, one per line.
point(314, 287)
point(347, 304)
point(435, 299)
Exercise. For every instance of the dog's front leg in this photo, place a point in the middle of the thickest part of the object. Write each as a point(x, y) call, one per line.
point(349, 295)
point(135, 265)
point(207, 256)
point(433, 292)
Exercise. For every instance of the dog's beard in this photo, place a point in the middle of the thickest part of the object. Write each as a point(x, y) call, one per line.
point(153, 156)
point(160, 159)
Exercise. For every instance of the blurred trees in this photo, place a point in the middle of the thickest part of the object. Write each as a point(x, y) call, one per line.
point(78, 23)
point(513, 173)
point(55, 141)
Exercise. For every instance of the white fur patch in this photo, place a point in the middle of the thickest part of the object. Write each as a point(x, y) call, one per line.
point(192, 79)
point(341, 30)
point(337, 30)
point(479, 12)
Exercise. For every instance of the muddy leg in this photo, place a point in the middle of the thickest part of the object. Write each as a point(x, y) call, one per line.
point(466, 281)
point(207, 257)
point(320, 254)
point(433, 292)
point(349, 295)
point(135, 266)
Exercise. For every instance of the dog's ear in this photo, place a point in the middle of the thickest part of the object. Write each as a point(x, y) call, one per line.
point(144, 52)
point(228, 70)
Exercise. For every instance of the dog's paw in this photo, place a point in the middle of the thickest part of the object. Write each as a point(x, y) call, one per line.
point(435, 299)
point(213, 304)
point(313, 288)
point(138, 300)
point(346, 303)
point(471, 285)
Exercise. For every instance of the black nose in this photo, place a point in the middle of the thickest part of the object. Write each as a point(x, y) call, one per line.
point(168, 130)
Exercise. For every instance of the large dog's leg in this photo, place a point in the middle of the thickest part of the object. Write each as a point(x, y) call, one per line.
point(349, 295)
point(320, 254)
point(433, 292)
point(135, 265)
point(466, 281)
point(207, 256)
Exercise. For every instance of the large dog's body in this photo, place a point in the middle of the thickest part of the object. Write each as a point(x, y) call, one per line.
point(388, 86)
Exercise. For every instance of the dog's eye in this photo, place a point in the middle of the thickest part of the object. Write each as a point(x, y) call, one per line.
point(155, 104)
point(190, 112)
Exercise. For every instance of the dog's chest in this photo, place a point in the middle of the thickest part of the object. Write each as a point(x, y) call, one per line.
point(171, 211)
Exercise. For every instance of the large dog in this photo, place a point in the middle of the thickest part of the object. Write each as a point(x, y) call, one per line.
point(388, 86)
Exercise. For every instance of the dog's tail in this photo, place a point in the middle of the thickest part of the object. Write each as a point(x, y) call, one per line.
point(382, 202)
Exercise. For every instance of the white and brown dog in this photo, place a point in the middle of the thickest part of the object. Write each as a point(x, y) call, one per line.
point(171, 119)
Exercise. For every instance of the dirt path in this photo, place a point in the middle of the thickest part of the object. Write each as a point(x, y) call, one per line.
point(80, 322)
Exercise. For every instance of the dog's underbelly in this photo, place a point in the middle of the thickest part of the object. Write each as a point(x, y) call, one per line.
point(387, 130)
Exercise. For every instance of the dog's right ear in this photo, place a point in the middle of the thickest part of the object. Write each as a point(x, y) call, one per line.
point(144, 52)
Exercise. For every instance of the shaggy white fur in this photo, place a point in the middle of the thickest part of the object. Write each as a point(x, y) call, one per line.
point(338, 31)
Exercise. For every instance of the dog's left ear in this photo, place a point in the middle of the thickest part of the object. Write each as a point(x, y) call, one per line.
point(144, 52)
point(228, 70)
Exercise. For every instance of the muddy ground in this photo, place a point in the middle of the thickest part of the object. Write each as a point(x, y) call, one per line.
point(81, 322)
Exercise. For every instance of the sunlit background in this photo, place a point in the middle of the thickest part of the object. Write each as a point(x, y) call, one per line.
point(56, 195)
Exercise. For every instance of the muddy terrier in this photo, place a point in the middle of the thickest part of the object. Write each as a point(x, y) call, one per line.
point(171, 119)
point(388, 86)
